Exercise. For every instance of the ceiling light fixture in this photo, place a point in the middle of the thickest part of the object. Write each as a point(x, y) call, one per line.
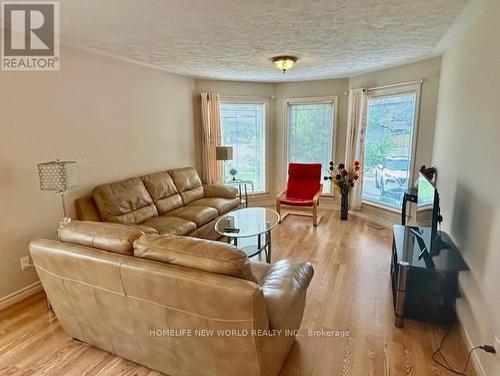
point(284, 63)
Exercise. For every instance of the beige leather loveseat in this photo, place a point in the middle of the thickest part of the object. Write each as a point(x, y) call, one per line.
point(168, 202)
point(179, 305)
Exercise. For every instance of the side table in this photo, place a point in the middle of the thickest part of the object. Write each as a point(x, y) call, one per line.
point(242, 189)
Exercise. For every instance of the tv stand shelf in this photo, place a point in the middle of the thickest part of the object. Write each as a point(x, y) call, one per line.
point(424, 288)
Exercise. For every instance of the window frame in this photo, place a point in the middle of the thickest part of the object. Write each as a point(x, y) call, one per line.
point(333, 99)
point(264, 102)
point(394, 90)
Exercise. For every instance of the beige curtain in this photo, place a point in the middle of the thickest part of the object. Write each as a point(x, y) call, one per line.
point(210, 119)
point(356, 124)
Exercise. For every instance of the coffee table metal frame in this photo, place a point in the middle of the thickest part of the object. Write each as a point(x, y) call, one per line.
point(264, 239)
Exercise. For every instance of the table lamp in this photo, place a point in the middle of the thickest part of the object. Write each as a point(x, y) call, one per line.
point(224, 153)
point(58, 176)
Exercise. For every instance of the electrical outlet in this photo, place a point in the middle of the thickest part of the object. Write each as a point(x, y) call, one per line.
point(25, 263)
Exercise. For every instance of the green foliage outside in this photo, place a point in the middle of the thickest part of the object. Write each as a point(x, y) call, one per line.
point(375, 151)
point(310, 138)
point(389, 132)
point(242, 127)
point(310, 135)
point(389, 119)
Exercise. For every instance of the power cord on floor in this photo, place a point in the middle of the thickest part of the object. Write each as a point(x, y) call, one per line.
point(446, 365)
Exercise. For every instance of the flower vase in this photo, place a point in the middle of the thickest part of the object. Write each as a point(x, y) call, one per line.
point(344, 206)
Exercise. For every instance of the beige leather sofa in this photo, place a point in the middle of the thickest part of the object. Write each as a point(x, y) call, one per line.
point(154, 299)
point(168, 202)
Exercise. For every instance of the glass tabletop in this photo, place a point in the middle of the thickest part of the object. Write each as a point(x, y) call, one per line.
point(239, 182)
point(248, 222)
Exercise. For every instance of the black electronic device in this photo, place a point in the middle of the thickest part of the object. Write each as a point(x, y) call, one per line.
point(428, 215)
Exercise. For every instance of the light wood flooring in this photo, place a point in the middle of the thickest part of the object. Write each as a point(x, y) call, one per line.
point(350, 291)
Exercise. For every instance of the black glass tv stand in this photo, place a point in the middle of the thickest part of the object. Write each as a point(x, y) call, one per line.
point(428, 247)
point(424, 288)
point(419, 237)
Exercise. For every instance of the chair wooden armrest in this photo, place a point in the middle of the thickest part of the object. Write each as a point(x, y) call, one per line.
point(315, 206)
point(317, 195)
point(278, 201)
point(278, 196)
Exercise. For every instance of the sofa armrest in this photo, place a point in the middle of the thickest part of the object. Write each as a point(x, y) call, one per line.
point(219, 190)
point(284, 288)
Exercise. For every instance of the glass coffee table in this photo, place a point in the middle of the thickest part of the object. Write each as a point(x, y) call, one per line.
point(247, 223)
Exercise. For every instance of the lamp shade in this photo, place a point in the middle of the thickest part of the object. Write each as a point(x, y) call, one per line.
point(58, 175)
point(224, 153)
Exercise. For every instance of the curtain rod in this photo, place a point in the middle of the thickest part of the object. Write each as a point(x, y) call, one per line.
point(247, 96)
point(394, 85)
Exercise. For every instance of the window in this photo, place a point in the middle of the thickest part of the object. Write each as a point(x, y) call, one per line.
point(311, 133)
point(243, 127)
point(389, 140)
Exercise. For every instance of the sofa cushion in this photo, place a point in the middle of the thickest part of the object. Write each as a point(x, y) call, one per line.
point(223, 205)
point(162, 189)
point(197, 214)
point(207, 231)
point(126, 201)
point(200, 254)
point(171, 225)
point(188, 183)
point(145, 229)
point(114, 237)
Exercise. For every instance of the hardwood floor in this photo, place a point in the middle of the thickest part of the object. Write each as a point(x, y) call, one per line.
point(350, 292)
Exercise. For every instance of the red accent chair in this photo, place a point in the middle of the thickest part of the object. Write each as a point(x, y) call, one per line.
point(303, 189)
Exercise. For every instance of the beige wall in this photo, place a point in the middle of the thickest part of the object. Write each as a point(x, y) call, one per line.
point(276, 94)
point(428, 70)
point(467, 155)
point(118, 120)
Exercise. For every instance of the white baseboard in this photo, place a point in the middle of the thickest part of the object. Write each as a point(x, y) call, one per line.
point(19, 295)
point(475, 361)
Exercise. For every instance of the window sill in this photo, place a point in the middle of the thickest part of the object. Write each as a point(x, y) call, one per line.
point(258, 194)
point(379, 206)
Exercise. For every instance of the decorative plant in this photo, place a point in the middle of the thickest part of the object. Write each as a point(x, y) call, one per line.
point(233, 173)
point(344, 179)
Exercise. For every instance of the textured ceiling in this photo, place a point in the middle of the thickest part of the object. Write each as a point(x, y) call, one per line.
point(236, 39)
